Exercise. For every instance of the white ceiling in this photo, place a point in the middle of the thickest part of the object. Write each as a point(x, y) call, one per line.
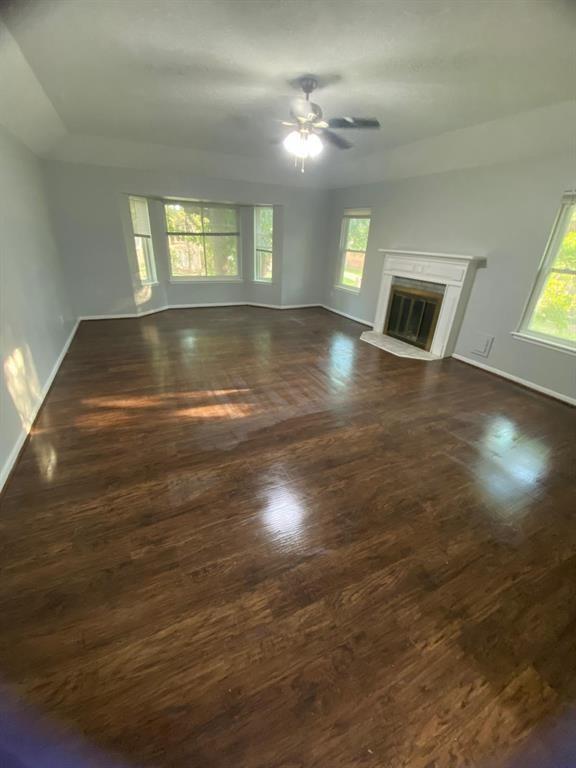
point(212, 75)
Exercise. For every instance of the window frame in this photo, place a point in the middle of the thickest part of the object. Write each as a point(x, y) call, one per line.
point(237, 234)
point(523, 331)
point(146, 237)
point(257, 249)
point(364, 213)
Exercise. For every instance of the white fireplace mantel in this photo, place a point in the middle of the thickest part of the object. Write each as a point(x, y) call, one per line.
point(454, 271)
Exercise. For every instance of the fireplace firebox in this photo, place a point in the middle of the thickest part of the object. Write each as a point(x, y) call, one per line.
point(413, 312)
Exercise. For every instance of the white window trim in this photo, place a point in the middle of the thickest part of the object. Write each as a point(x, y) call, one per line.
point(347, 289)
point(204, 278)
point(363, 213)
point(523, 332)
point(543, 341)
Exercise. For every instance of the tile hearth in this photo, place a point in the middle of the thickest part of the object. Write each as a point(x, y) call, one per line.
point(397, 347)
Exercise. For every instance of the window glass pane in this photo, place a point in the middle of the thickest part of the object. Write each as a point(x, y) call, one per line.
point(186, 255)
point(357, 234)
point(196, 252)
point(141, 256)
point(263, 266)
point(263, 218)
point(221, 256)
point(352, 269)
point(566, 256)
point(555, 312)
point(219, 219)
point(183, 217)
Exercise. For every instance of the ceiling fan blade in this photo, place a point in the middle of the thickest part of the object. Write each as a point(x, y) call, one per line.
point(353, 122)
point(336, 140)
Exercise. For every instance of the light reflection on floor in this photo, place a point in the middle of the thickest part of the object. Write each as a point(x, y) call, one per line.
point(46, 456)
point(510, 465)
point(284, 516)
point(342, 357)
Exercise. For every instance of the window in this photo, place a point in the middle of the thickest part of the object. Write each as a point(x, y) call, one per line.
point(353, 240)
point(143, 240)
point(263, 236)
point(202, 241)
point(551, 310)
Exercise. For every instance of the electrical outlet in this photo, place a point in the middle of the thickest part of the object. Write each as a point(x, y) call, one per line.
point(483, 345)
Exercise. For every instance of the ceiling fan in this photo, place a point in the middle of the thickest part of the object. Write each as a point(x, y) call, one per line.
point(310, 128)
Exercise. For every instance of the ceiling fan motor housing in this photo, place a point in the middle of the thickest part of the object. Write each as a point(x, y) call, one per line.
point(308, 84)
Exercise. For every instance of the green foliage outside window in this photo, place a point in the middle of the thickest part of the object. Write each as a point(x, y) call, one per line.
point(263, 238)
point(202, 240)
point(357, 234)
point(355, 243)
point(555, 310)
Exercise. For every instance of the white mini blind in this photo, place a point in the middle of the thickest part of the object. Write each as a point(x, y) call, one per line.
point(357, 213)
point(139, 214)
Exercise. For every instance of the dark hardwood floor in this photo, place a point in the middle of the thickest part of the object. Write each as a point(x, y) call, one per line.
point(242, 537)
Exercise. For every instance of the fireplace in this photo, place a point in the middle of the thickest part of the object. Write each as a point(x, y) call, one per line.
point(413, 311)
point(421, 302)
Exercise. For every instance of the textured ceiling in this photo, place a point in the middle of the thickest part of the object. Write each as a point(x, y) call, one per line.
point(213, 74)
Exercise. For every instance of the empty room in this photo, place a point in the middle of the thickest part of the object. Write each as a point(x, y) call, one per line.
point(288, 426)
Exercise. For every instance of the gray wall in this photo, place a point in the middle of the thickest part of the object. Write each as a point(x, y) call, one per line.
point(91, 218)
point(503, 212)
point(36, 317)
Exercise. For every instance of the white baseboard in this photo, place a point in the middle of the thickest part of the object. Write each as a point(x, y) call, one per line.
point(517, 379)
point(226, 304)
point(14, 453)
point(282, 306)
point(197, 306)
point(123, 316)
point(349, 317)
point(164, 307)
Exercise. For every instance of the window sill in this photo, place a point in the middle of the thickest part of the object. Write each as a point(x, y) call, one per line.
point(262, 282)
point(544, 342)
point(206, 280)
point(354, 291)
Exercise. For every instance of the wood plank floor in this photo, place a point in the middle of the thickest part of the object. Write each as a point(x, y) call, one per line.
point(241, 537)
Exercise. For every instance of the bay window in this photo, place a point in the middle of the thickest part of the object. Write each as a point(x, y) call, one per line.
point(203, 241)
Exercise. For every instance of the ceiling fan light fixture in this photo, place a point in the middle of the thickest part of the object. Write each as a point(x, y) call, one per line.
point(312, 131)
point(303, 144)
point(315, 145)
